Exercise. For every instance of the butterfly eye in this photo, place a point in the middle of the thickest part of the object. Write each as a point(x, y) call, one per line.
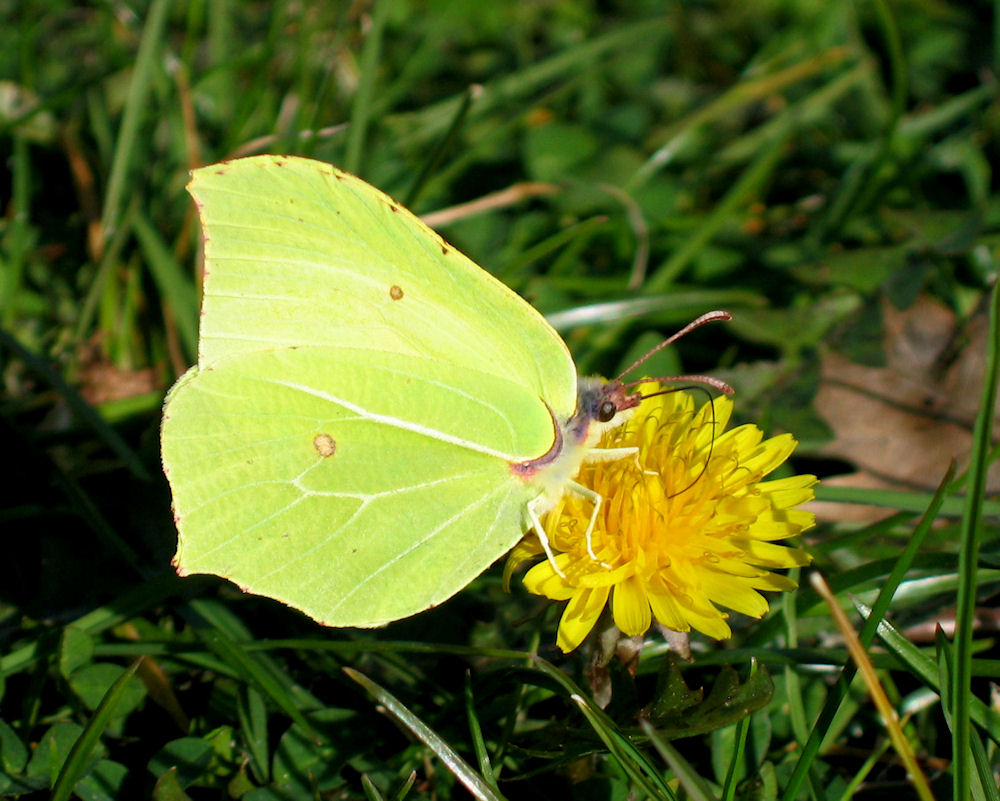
point(607, 412)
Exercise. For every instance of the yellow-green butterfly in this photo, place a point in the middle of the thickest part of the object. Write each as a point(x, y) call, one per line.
point(373, 419)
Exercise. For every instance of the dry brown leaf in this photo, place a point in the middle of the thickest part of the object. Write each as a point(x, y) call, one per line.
point(901, 424)
point(100, 381)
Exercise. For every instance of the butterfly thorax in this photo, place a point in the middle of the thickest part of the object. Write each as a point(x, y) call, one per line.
point(601, 405)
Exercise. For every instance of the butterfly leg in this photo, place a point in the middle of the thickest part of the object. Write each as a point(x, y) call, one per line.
point(534, 518)
point(596, 499)
point(609, 454)
point(612, 454)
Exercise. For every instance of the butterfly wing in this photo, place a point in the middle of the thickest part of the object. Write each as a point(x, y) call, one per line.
point(299, 253)
point(343, 482)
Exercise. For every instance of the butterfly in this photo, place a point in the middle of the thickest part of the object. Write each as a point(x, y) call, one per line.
point(373, 419)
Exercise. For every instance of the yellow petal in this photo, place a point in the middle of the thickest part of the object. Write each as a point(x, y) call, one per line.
point(630, 608)
point(774, 582)
point(712, 623)
point(579, 617)
point(543, 580)
point(767, 554)
point(735, 593)
point(666, 610)
point(785, 494)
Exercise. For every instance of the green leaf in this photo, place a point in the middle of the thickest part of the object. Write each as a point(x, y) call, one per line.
point(13, 752)
point(52, 750)
point(92, 682)
point(76, 648)
point(103, 783)
point(302, 764)
point(188, 758)
point(678, 712)
point(474, 783)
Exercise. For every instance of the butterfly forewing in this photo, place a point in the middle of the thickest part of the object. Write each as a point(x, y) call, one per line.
point(299, 253)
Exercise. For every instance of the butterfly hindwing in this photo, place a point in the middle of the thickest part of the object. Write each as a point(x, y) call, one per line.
point(338, 480)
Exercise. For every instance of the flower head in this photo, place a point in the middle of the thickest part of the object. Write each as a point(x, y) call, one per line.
point(686, 524)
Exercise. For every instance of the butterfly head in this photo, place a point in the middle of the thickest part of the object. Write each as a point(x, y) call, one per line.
point(601, 405)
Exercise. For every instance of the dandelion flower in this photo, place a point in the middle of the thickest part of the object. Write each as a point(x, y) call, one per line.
point(686, 526)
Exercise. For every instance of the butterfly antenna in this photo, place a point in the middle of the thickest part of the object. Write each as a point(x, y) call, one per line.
point(711, 403)
point(707, 380)
point(711, 446)
point(708, 317)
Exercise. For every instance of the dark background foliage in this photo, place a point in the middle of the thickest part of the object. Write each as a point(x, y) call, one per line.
point(823, 170)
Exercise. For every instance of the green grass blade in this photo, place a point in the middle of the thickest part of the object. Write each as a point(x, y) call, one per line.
point(868, 631)
point(432, 161)
point(175, 287)
point(478, 741)
point(150, 48)
point(254, 668)
point(971, 533)
point(517, 89)
point(473, 782)
point(363, 99)
point(253, 721)
point(982, 784)
point(694, 785)
point(742, 732)
point(76, 761)
point(750, 184)
point(915, 502)
point(624, 752)
point(753, 90)
point(924, 668)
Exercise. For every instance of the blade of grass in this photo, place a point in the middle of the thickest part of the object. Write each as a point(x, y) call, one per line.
point(865, 177)
point(971, 528)
point(875, 691)
point(915, 502)
point(361, 108)
point(752, 90)
point(749, 184)
point(107, 265)
point(79, 755)
point(478, 743)
point(740, 739)
point(150, 46)
point(631, 760)
point(437, 153)
point(256, 669)
point(864, 770)
point(252, 715)
point(516, 90)
point(176, 289)
point(694, 785)
point(674, 308)
point(585, 230)
point(868, 631)
point(925, 669)
point(462, 771)
point(984, 788)
point(372, 793)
